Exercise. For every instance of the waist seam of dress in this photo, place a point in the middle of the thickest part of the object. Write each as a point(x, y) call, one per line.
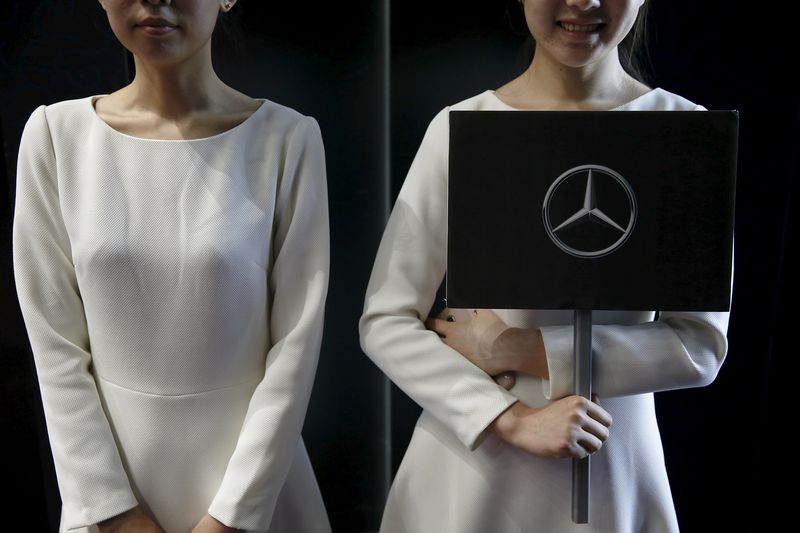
point(234, 385)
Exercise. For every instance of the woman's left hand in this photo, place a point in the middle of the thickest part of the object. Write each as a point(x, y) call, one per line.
point(209, 524)
point(472, 333)
point(491, 344)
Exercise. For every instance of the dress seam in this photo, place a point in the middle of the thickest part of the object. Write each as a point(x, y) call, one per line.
point(180, 394)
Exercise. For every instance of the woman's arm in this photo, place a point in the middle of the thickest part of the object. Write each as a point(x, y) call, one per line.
point(680, 350)
point(408, 270)
point(298, 285)
point(91, 478)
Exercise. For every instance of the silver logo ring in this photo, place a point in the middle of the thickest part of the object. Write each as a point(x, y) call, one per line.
point(590, 210)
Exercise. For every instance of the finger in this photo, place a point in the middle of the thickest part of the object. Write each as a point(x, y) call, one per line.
point(460, 315)
point(590, 443)
point(507, 380)
point(577, 451)
point(595, 399)
point(439, 326)
point(432, 327)
point(596, 428)
point(486, 313)
point(599, 414)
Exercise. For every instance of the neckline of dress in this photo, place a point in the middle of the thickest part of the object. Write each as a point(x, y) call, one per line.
point(491, 92)
point(91, 100)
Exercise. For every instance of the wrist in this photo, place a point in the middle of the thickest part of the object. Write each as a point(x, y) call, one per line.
point(524, 349)
point(508, 422)
point(487, 339)
point(111, 524)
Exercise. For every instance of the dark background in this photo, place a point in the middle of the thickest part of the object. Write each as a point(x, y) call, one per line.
point(374, 72)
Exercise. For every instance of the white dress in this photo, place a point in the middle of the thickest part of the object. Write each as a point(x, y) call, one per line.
point(457, 477)
point(173, 293)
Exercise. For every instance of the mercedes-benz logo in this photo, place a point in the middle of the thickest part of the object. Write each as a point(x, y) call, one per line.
point(587, 230)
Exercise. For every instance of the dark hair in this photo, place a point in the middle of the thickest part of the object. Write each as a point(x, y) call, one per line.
point(633, 51)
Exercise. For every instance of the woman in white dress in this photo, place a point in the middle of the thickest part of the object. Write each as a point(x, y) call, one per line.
point(171, 259)
point(483, 458)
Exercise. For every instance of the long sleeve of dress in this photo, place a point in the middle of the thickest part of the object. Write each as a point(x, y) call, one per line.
point(298, 286)
point(91, 477)
point(680, 350)
point(409, 267)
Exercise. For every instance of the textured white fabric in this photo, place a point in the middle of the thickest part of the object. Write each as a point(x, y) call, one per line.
point(458, 477)
point(173, 293)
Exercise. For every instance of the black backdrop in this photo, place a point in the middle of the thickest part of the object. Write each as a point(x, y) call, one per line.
point(374, 72)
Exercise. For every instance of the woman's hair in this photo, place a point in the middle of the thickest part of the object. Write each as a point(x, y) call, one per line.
point(633, 52)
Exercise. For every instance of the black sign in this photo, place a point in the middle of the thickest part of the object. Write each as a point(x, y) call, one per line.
point(591, 210)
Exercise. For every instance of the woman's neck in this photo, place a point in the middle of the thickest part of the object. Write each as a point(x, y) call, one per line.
point(175, 91)
point(175, 101)
point(548, 84)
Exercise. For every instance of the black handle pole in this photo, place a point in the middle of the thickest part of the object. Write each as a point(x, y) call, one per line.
point(583, 387)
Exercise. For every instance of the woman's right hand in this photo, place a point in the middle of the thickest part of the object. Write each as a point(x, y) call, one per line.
point(132, 521)
point(569, 427)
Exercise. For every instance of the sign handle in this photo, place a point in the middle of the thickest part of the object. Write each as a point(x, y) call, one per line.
point(583, 387)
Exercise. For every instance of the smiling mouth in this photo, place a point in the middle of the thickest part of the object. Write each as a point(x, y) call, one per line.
point(581, 28)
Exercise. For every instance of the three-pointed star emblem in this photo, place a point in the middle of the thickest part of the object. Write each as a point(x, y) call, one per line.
point(578, 233)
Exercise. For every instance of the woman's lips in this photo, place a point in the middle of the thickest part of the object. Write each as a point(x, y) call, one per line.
point(580, 32)
point(580, 27)
point(156, 26)
point(156, 30)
